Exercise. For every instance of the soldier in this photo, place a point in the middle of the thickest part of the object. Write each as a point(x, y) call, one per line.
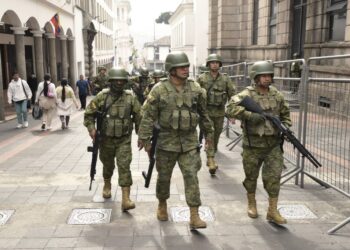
point(261, 141)
point(157, 75)
point(176, 103)
point(122, 110)
point(140, 84)
point(219, 89)
point(101, 80)
point(203, 68)
point(295, 70)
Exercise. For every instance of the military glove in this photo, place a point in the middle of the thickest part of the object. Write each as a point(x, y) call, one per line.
point(256, 118)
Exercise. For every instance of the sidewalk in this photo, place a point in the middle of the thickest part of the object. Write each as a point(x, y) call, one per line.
point(44, 176)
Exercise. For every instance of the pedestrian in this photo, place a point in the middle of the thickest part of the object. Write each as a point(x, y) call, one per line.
point(83, 89)
point(19, 93)
point(121, 109)
point(175, 104)
point(262, 143)
point(33, 84)
point(46, 97)
point(219, 89)
point(65, 101)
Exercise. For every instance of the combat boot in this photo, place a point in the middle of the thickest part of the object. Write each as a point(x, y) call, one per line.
point(126, 202)
point(212, 165)
point(107, 189)
point(195, 220)
point(162, 212)
point(252, 211)
point(273, 214)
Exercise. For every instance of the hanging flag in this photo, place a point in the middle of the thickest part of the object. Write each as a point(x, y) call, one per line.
point(55, 20)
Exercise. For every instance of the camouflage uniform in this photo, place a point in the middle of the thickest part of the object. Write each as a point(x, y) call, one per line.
point(116, 131)
point(100, 82)
point(261, 142)
point(219, 90)
point(177, 140)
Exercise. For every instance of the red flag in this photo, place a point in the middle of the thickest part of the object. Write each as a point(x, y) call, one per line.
point(55, 20)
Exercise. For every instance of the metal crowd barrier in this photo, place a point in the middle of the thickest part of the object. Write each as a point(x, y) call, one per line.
point(321, 121)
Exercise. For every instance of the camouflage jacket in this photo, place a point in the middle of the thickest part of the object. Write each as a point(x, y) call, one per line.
point(177, 114)
point(100, 82)
point(265, 134)
point(123, 111)
point(219, 91)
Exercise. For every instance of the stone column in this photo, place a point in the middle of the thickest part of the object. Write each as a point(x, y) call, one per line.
point(72, 61)
point(39, 59)
point(52, 57)
point(64, 56)
point(20, 52)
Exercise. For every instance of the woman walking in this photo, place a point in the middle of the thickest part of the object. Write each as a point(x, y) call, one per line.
point(65, 101)
point(46, 96)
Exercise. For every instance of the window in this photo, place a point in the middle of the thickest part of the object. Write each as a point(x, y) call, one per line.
point(324, 102)
point(337, 20)
point(255, 22)
point(272, 24)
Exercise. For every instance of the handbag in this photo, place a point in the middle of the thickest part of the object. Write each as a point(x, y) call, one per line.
point(37, 111)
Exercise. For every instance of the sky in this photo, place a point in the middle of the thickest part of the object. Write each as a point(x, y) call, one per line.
point(143, 15)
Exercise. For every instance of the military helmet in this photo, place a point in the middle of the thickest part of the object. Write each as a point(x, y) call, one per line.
point(144, 72)
point(176, 59)
point(261, 68)
point(203, 68)
point(117, 74)
point(158, 73)
point(214, 58)
point(101, 67)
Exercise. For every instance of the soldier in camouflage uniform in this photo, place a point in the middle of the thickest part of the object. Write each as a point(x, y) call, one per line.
point(122, 110)
point(295, 72)
point(140, 83)
point(176, 103)
point(219, 89)
point(157, 75)
point(101, 80)
point(203, 68)
point(261, 141)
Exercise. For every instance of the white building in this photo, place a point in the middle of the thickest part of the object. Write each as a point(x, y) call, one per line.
point(189, 31)
point(124, 41)
point(154, 53)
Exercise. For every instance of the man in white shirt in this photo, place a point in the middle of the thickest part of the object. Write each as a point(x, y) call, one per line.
point(19, 92)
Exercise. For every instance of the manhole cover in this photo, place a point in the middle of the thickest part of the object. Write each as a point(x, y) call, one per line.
point(90, 216)
point(182, 214)
point(296, 212)
point(5, 216)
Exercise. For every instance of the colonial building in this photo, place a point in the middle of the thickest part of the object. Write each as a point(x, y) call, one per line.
point(154, 53)
point(276, 29)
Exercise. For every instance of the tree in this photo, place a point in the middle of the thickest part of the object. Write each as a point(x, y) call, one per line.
point(164, 17)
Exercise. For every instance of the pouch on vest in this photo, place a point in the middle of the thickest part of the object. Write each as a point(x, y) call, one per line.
point(118, 128)
point(165, 119)
point(185, 120)
point(126, 126)
point(194, 120)
point(174, 122)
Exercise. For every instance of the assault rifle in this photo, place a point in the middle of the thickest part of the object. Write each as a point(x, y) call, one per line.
point(152, 160)
point(95, 146)
point(250, 105)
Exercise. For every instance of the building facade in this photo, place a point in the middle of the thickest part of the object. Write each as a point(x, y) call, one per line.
point(276, 29)
point(155, 53)
point(124, 41)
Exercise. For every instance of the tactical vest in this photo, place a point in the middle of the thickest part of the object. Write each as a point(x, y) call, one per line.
point(178, 111)
point(117, 122)
point(216, 92)
point(271, 104)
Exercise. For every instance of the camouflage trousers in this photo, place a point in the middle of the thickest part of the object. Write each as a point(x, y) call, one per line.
point(218, 124)
point(272, 160)
point(119, 148)
point(189, 163)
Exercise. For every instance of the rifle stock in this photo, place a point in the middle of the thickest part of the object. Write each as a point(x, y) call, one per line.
point(147, 176)
point(250, 105)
